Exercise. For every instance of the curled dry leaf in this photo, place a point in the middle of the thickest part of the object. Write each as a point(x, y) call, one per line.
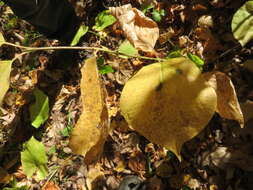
point(92, 128)
point(168, 103)
point(227, 103)
point(140, 30)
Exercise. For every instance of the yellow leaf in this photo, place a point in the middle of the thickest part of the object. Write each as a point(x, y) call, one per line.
point(5, 69)
point(168, 103)
point(92, 128)
point(2, 40)
point(227, 103)
point(140, 30)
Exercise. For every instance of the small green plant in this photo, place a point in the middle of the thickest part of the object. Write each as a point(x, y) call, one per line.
point(34, 159)
point(30, 37)
point(13, 185)
point(104, 69)
point(103, 20)
point(156, 14)
point(67, 130)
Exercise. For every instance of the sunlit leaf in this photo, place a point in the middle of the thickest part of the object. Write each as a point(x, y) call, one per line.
point(227, 103)
point(168, 103)
point(39, 111)
point(103, 20)
point(127, 48)
point(80, 33)
point(2, 40)
point(140, 30)
point(242, 23)
point(34, 159)
point(5, 69)
point(92, 128)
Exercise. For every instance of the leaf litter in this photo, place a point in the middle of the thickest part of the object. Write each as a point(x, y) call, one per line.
point(72, 173)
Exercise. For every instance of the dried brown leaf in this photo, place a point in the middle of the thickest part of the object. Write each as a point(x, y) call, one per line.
point(140, 30)
point(227, 103)
point(92, 128)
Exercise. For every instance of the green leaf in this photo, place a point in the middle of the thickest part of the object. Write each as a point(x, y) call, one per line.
point(196, 59)
point(52, 150)
point(103, 69)
point(5, 70)
point(40, 109)
point(16, 188)
point(67, 131)
point(156, 16)
point(146, 8)
point(34, 159)
point(106, 69)
point(174, 54)
point(2, 40)
point(127, 48)
point(242, 23)
point(103, 20)
point(80, 33)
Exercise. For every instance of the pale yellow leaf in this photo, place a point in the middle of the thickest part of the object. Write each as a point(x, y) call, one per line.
point(227, 103)
point(5, 69)
point(140, 30)
point(2, 40)
point(168, 103)
point(92, 128)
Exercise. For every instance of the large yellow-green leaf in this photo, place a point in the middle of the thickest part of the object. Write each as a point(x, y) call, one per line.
point(92, 128)
point(34, 159)
point(242, 23)
point(5, 69)
point(1, 39)
point(39, 111)
point(168, 103)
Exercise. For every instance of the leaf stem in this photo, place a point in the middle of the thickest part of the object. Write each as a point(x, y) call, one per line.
point(115, 52)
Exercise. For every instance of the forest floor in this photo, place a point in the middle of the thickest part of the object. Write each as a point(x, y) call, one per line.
point(219, 158)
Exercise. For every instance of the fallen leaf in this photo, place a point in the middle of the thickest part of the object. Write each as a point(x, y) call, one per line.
point(248, 65)
point(4, 176)
point(227, 103)
point(39, 111)
point(93, 177)
point(5, 69)
point(92, 128)
point(50, 186)
point(168, 103)
point(247, 110)
point(140, 30)
point(2, 40)
point(242, 23)
point(34, 159)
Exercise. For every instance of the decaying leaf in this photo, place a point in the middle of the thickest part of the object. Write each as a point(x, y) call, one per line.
point(140, 30)
point(242, 23)
point(227, 103)
point(168, 103)
point(92, 128)
point(5, 69)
